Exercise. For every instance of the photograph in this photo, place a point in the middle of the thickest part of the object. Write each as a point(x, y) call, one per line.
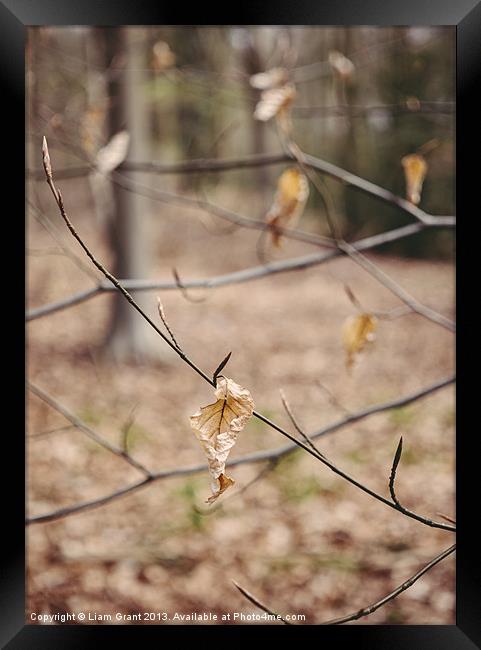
point(241, 325)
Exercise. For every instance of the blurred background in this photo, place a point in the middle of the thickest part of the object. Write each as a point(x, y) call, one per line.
point(299, 537)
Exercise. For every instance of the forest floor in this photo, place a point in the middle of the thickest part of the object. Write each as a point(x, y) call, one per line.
point(300, 538)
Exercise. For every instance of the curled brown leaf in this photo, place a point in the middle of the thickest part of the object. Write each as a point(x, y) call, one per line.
point(217, 426)
point(289, 202)
point(356, 332)
point(415, 168)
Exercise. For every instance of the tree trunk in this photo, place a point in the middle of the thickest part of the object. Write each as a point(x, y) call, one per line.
point(253, 64)
point(130, 338)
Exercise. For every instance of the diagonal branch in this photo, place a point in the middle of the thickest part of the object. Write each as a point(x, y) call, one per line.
point(256, 457)
point(93, 435)
point(236, 277)
point(58, 198)
point(256, 160)
point(365, 611)
point(395, 288)
point(259, 604)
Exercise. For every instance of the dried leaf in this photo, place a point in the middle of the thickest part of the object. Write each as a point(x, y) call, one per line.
point(272, 78)
point(341, 65)
point(162, 56)
point(114, 152)
point(275, 102)
point(356, 332)
point(415, 168)
point(217, 425)
point(289, 202)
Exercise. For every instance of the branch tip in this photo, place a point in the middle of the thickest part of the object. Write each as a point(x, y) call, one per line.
point(46, 159)
point(220, 367)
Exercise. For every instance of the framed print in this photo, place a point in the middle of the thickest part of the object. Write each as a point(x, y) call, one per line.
point(242, 298)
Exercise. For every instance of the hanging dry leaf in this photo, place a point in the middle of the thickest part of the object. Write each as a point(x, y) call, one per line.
point(272, 78)
point(276, 102)
point(217, 425)
point(289, 202)
point(356, 332)
point(162, 56)
point(341, 65)
point(114, 152)
point(415, 168)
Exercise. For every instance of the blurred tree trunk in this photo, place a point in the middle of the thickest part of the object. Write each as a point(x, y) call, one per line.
point(129, 337)
point(349, 96)
point(253, 64)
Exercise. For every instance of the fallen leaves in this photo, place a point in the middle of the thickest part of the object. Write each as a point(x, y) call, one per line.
point(217, 426)
point(289, 202)
point(357, 331)
point(415, 169)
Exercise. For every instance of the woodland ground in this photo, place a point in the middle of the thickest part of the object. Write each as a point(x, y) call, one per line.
point(301, 539)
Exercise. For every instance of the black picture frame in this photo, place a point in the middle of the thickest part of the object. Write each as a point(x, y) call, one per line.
point(15, 16)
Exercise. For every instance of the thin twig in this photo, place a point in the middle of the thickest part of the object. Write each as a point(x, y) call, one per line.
point(126, 427)
point(382, 277)
point(166, 324)
point(48, 432)
point(333, 399)
point(295, 422)
point(79, 424)
point(53, 232)
point(450, 519)
point(259, 604)
point(183, 289)
point(365, 611)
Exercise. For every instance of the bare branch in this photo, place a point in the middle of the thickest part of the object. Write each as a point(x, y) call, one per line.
point(213, 165)
point(183, 289)
point(257, 602)
point(58, 197)
point(49, 432)
point(450, 519)
point(365, 611)
point(166, 324)
point(93, 435)
point(295, 422)
point(237, 277)
point(395, 288)
point(256, 457)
